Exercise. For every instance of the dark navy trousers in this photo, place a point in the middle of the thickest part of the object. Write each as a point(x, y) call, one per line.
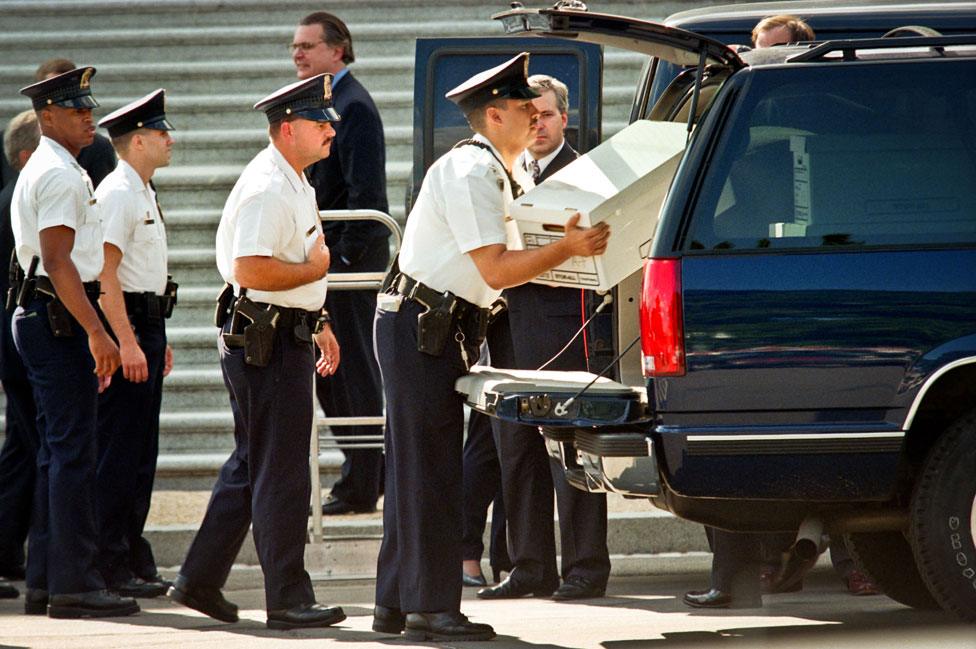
point(419, 565)
point(62, 545)
point(266, 478)
point(541, 320)
point(18, 458)
point(128, 445)
point(355, 389)
point(483, 487)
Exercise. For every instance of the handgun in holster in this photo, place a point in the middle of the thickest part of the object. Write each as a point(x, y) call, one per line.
point(60, 319)
point(258, 337)
point(434, 326)
point(15, 275)
point(169, 297)
point(225, 302)
point(25, 292)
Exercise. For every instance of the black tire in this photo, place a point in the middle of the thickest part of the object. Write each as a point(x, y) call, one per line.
point(943, 512)
point(888, 559)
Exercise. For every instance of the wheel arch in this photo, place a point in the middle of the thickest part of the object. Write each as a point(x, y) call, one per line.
point(945, 396)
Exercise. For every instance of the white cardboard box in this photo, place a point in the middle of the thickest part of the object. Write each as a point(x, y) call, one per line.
point(623, 182)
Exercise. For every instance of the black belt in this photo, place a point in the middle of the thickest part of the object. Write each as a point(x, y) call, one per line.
point(472, 319)
point(288, 316)
point(42, 284)
point(148, 304)
point(411, 289)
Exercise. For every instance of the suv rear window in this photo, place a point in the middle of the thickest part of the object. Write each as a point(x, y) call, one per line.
point(842, 155)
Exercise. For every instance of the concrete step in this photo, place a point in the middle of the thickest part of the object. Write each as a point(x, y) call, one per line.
point(350, 544)
point(225, 146)
point(207, 186)
point(209, 43)
point(43, 15)
point(198, 471)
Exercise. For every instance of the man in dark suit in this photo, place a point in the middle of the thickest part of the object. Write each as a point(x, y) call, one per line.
point(352, 178)
point(19, 453)
point(542, 319)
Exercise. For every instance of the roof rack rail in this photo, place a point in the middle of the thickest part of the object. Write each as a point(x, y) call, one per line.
point(850, 47)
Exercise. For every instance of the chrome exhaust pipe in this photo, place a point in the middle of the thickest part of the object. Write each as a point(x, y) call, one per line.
point(801, 556)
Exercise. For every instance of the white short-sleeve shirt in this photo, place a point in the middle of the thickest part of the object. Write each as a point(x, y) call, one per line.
point(461, 206)
point(53, 190)
point(271, 212)
point(131, 222)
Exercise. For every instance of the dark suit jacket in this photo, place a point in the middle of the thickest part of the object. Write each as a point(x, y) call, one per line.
point(10, 363)
point(354, 177)
point(98, 159)
point(566, 155)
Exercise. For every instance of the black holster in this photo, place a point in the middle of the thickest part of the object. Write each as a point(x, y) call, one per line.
point(434, 327)
point(27, 286)
point(168, 299)
point(225, 303)
point(59, 318)
point(257, 336)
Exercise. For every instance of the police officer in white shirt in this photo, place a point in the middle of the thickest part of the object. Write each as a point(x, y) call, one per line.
point(271, 253)
point(137, 297)
point(454, 264)
point(68, 353)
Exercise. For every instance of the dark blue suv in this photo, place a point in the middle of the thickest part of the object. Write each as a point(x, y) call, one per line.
point(808, 302)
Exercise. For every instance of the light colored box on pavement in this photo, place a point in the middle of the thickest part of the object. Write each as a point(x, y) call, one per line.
point(623, 182)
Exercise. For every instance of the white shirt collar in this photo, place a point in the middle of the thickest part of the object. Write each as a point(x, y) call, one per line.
point(59, 150)
point(296, 180)
point(132, 176)
point(543, 162)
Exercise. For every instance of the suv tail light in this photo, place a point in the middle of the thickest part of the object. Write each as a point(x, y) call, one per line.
point(662, 331)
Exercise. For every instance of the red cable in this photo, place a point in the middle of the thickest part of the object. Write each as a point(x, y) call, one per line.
point(586, 345)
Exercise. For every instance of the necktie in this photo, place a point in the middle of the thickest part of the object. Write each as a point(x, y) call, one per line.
point(536, 171)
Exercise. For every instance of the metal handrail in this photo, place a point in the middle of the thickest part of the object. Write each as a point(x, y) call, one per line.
point(347, 282)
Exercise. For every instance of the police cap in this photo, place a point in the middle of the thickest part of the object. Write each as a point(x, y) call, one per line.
point(508, 80)
point(309, 99)
point(71, 89)
point(146, 112)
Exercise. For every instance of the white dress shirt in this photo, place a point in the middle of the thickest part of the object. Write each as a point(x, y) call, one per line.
point(461, 207)
point(271, 212)
point(132, 223)
point(53, 190)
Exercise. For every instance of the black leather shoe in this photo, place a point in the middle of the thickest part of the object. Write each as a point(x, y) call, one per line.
point(473, 580)
point(305, 616)
point(157, 579)
point(715, 598)
point(35, 602)
point(510, 589)
point(137, 587)
point(7, 591)
point(334, 507)
point(97, 603)
point(209, 601)
point(440, 627)
point(388, 620)
point(578, 588)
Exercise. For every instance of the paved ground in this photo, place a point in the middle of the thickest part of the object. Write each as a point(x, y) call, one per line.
point(174, 507)
point(638, 613)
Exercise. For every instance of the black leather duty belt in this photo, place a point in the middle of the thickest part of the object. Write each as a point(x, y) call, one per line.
point(473, 320)
point(148, 304)
point(44, 285)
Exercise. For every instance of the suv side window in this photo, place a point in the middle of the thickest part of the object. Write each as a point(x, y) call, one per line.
point(844, 154)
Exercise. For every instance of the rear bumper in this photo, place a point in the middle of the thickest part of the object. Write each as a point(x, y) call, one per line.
point(622, 461)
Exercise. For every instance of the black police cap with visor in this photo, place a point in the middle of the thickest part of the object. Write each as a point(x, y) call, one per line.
point(145, 112)
point(506, 81)
point(309, 99)
point(71, 89)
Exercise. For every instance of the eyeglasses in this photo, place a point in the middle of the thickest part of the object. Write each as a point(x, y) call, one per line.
point(305, 47)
